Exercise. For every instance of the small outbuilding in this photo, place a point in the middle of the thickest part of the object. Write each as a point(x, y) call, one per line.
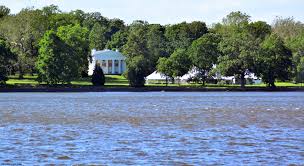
point(111, 62)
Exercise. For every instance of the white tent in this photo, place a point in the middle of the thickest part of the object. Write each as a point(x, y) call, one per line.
point(155, 77)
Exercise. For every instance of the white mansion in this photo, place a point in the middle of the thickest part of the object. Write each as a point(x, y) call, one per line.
point(111, 62)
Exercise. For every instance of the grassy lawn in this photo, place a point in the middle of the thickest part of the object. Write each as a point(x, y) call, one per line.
point(120, 81)
point(111, 80)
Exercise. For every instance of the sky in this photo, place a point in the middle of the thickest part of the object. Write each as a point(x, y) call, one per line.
point(173, 11)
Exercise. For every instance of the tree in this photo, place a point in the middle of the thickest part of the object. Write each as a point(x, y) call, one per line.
point(156, 43)
point(239, 51)
point(296, 44)
point(98, 78)
point(138, 66)
point(23, 31)
point(180, 63)
point(115, 25)
point(235, 22)
point(58, 62)
point(177, 65)
point(204, 53)
point(259, 29)
point(236, 19)
point(97, 37)
point(181, 35)
point(92, 18)
point(6, 56)
point(118, 40)
point(4, 11)
point(275, 60)
point(164, 66)
point(77, 38)
point(287, 28)
point(136, 72)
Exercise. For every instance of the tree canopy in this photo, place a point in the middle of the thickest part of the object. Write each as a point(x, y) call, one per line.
point(57, 44)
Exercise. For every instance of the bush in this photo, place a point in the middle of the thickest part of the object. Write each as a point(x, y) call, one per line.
point(98, 78)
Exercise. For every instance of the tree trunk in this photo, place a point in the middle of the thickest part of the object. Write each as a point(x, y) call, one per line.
point(243, 80)
point(272, 85)
point(166, 81)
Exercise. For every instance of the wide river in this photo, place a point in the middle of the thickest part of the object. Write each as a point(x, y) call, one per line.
point(159, 128)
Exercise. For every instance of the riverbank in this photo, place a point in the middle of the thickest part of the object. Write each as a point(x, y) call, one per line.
point(144, 89)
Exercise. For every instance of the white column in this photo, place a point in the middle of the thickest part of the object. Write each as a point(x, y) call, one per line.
point(107, 67)
point(119, 66)
point(113, 67)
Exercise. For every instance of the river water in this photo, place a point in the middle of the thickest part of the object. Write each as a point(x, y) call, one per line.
point(159, 128)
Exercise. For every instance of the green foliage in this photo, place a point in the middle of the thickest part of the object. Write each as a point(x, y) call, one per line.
point(164, 66)
point(287, 28)
point(104, 36)
point(239, 51)
point(76, 37)
point(259, 29)
point(4, 11)
point(181, 35)
point(6, 56)
point(275, 60)
point(147, 42)
point(156, 43)
point(58, 62)
point(97, 37)
point(177, 65)
point(118, 40)
point(92, 18)
point(138, 66)
point(136, 72)
point(204, 53)
point(98, 78)
point(23, 31)
point(236, 19)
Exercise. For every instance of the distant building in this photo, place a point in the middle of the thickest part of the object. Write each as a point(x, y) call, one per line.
point(111, 62)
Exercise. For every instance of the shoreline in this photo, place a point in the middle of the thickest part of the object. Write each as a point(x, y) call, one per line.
point(147, 89)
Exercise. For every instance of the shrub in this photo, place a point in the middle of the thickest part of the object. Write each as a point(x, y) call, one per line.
point(98, 78)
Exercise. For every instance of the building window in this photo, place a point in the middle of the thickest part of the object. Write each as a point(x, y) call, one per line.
point(116, 65)
point(104, 63)
point(122, 66)
point(110, 66)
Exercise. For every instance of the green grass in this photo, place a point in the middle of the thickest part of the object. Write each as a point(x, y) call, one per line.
point(120, 81)
point(111, 80)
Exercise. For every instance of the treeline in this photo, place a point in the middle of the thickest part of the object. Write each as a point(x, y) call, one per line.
point(56, 45)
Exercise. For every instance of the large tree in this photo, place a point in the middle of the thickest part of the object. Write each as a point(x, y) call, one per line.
point(239, 45)
point(204, 53)
point(4, 11)
point(275, 60)
point(177, 65)
point(77, 38)
point(137, 55)
point(156, 44)
point(23, 31)
point(118, 40)
point(183, 34)
point(97, 37)
point(259, 29)
point(297, 46)
point(164, 66)
point(239, 52)
point(58, 62)
point(6, 57)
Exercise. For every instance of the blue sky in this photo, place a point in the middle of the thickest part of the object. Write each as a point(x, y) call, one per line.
point(173, 11)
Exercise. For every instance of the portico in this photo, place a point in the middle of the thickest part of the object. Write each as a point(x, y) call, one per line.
point(111, 62)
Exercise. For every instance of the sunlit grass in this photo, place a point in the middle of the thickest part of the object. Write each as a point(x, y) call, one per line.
point(120, 81)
